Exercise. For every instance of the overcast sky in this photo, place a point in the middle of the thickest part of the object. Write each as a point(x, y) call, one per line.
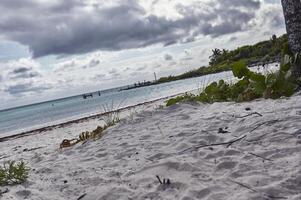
point(57, 48)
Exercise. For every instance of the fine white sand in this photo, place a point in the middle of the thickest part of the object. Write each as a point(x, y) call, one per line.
point(167, 142)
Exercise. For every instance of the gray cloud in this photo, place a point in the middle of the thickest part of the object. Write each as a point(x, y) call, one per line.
point(24, 88)
point(23, 73)
point(68, 28)
point(141, 68)
point(168, 57)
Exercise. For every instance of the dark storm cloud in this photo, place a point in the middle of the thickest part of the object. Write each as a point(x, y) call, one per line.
point(67, 28)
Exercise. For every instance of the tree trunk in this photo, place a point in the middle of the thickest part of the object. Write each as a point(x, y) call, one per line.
point(292, 15)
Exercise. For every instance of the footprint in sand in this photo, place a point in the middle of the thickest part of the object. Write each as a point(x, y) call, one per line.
point(226, 165)
point(201, 194)
point(23, 193)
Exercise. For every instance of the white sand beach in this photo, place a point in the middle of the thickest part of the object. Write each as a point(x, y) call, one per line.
point(257, 156)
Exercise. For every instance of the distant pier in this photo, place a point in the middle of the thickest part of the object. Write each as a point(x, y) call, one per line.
point(85, 96)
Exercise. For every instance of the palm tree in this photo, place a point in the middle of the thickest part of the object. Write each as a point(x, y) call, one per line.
point(273, 40)
point(292, 15)
point(215, 54)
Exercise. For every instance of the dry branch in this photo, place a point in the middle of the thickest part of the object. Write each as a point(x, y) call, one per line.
point(253, 113)
point(253, 154)
point(217, 144)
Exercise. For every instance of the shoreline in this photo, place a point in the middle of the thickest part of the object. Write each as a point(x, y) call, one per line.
point(44, 128)
point(80, 120)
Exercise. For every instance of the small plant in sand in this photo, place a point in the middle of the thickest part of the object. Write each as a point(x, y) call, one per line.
point(111, 118)
point(12, 173)
point(112, 114)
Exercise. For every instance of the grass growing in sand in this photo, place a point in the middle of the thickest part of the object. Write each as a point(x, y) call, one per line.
point(250, 85)
point(12, 173)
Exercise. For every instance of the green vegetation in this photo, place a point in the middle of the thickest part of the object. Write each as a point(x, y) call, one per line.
point(250, 85)
point(12, 173)
point(222, 60)
point(187, 97)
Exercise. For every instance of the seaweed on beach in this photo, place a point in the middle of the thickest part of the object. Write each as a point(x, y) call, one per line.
point(84, 136)
point(12, 173)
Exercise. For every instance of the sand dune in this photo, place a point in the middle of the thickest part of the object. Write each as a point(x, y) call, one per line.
point(251, 157)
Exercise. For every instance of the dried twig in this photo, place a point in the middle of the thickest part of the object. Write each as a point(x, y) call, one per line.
point(4, 157)
point(81, 196)
point(159, 179)
point(6, 190)
point(217, 144)
point(253, 154)
point(244, 185)
point(263, 123)
point(253, 113)
point(164, 182)
point(253, 190)
point(32, 149)
point(160, 130)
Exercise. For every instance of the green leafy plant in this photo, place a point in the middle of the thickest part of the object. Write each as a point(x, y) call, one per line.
point(250, 86)
point(186, 97)
point(12, 173)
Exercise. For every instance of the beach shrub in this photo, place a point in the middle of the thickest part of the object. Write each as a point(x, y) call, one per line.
point(250, 86)
point(184, 98)
point(12, 173)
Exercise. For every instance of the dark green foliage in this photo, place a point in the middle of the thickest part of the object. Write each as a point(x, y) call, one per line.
point(239, 69)
point(12, 173)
